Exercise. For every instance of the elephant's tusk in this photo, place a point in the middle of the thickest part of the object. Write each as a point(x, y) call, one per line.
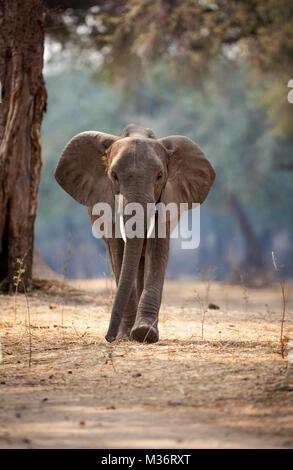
point(120, 204)
point(120, 212)
point(152, 225)
point(122, 228)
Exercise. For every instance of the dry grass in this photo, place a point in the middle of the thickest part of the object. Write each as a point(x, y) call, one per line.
point(232, 381)
point(283, 293)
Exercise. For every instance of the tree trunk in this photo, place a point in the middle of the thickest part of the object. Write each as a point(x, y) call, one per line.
point(21, 110)
point(252, 268)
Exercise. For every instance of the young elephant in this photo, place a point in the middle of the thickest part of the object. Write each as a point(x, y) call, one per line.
point(94, 167)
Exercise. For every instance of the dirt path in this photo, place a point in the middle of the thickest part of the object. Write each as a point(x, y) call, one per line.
point(230, 388)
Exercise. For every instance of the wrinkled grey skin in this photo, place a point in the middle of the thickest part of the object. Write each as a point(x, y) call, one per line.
point(94, 167)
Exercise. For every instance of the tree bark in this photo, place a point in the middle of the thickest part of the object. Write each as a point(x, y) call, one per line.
point(21, 110)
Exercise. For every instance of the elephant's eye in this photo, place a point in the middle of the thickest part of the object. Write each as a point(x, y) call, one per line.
point(159, 176)
point(114, 176)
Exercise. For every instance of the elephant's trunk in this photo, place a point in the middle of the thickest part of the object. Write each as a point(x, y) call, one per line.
point(131, 257)
point(130, 263)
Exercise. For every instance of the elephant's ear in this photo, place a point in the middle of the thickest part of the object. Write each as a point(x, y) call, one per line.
point(190, 174)
point(81, 171)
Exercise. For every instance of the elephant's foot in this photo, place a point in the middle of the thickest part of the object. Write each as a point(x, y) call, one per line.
point(145, 333)
point(124, 331)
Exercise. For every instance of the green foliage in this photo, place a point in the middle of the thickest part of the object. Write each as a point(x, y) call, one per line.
point(17, 278)
point(130, 36)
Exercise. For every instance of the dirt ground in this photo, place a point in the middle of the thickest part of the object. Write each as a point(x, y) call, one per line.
point(228, 389)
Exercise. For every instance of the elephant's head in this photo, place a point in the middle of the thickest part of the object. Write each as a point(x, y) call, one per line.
point(94, 167)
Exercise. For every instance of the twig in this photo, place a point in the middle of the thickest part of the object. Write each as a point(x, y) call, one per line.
point(207, 278)
point(203, 309)
point(148, 332)
point(282, 285)
point(66, 261)
point(17, 278)
point(110, 359)
point(244, 293)
point(78, 334)
point(29, 326)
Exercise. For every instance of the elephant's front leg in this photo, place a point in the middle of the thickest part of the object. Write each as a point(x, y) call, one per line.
point(156, 259)
point(129, 316)
point(115, 249)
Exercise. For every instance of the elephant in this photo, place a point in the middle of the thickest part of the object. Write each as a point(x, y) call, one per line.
point(96, 167)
